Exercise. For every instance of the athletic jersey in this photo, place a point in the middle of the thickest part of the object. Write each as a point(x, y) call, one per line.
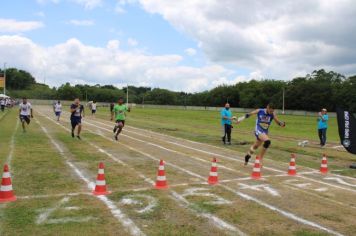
point(78, 110)
point(25, 109)
point(263, 120)
point(120, 111)
point(228, 114)
point(57, 107)
point(93, 106)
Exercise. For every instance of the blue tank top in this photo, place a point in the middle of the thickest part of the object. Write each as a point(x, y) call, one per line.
point(263, 120)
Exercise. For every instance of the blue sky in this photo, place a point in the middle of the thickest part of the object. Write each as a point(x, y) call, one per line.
point(180, 45)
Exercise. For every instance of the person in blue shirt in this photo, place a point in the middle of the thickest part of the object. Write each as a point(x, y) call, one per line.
point(226, 123)
point(322, 126)
point(264, 119)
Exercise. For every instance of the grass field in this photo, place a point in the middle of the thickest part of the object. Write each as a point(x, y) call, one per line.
point(54, 174)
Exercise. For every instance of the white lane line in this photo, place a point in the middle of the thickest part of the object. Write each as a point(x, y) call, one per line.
point(12, 146)
point(198, 143)
point(128, 224)
point(221, 224)
point(248, 197)
point(177, 152)
point(53, 195)
point(325, 198)
point(225, 157)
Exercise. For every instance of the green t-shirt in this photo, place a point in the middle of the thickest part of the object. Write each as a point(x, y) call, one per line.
point(120, 111)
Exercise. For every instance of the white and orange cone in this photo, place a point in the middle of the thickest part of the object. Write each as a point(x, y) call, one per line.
point(161, 182)
point(256, 172)
point(324, 165)
point(100, 187)
point(6, 192)
point(213, 176)
point(292, 170)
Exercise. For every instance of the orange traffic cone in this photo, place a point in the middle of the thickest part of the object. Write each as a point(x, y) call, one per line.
point(292, 169)
point(213, 176)
point(161, 182)
point(256, 173)
point(324, 165)
point(6, 192)
point(100, 187)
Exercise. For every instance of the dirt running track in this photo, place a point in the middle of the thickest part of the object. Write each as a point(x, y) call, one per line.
point(277, 204)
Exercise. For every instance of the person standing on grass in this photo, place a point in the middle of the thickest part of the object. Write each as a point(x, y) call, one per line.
point(265, 116)
point(93, 108)
point(77, 111)
point(120, 110)
point(57, 108)
point(112, 110)
point(226, 122)
point(322, 126)
point(25, 112)
point(2, 104)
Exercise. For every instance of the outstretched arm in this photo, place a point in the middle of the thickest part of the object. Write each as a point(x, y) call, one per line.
point(247, 115)
point(279, 122)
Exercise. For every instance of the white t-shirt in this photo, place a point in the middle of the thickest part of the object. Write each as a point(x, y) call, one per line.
point(2, 102)
point(93, 106)
point(57, 107)
point(25, 109)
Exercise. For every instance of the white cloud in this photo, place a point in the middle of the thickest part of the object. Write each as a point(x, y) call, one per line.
point(42, 2)
point(119, 9)
point(280, 39)
point(15, 26)
point(76, 62)
point(40, 14)
point(89, 4)
point(132, 42)
point(190, 51)
point(81, 22)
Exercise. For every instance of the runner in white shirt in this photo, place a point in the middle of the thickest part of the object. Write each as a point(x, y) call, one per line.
point(25, 112)
point(57, 108)
point(93, 108)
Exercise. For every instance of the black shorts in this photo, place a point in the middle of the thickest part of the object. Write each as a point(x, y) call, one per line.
point(25, 119)
point(121, 121)
point(93, 111)
point(75, 121)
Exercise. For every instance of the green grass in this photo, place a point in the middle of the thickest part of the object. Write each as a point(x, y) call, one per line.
point(204, 126)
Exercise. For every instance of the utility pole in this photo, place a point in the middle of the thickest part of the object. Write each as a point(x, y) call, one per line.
point(143, 100)
point(127, 95)
point(283, 101)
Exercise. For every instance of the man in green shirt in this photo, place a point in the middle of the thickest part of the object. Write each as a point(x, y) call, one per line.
point(120, 110)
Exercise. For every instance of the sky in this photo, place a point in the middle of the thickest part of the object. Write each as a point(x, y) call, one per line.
point(182, 45)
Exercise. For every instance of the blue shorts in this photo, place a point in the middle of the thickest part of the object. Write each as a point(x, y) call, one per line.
point(259, 131)
point(75, 120)
point(25, 119)
point(58, 113)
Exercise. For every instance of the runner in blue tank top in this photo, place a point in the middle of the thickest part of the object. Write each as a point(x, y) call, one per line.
point(265, 116)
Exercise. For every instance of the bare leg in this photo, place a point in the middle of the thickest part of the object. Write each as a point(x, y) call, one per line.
point(120, 126)
point(79, 129)
point(263, 138)
point(252, 150)
point(23, 126)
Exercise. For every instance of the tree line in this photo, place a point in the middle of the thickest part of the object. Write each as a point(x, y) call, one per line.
point(319, 89)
